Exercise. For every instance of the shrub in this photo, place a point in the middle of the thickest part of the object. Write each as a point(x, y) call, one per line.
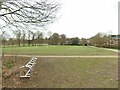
point(8, 63)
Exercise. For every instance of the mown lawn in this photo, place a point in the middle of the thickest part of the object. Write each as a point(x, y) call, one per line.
point(71, 73)
point(57, 50)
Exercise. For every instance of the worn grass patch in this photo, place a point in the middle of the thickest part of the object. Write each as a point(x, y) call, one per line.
point(71, 73)
point(77, 72)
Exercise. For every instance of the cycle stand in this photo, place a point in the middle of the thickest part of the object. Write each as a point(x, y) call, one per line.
point(26, 70)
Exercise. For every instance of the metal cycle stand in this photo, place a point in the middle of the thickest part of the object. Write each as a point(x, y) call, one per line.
point(28, 68)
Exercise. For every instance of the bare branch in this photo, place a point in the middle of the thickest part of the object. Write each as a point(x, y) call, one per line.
point(34, 12)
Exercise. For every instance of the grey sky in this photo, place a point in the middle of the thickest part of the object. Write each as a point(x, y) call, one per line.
point(85, 18)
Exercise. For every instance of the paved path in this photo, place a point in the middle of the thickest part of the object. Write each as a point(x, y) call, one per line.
point(114, 50)
point(56, 56)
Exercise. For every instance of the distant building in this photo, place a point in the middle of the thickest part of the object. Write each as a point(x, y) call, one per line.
point(114, 41)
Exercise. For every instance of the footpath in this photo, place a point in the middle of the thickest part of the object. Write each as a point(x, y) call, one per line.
point(114, 50)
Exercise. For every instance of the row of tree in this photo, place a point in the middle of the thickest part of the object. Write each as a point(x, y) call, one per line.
point(30, 38)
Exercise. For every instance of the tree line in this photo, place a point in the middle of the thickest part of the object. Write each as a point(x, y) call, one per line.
point(30, 38)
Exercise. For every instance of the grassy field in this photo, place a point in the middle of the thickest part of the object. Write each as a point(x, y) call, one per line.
point(57, 50)
point(70, 73)
point(65, 72)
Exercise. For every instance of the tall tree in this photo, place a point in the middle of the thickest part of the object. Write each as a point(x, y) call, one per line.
point(11, 41)
point(33, 37)
point(75, 41)
point(55, 39)
point(99, 39)
point(23, 37)
point(83, 41)
point(4, 37)
point(18, 36)
point(29, 37)
point(62, 39)
point(39, 37)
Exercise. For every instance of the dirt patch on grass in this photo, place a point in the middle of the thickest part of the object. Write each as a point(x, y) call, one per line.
point(10, 70)
point(66, 73)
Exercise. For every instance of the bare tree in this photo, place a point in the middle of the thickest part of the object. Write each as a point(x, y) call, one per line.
point(3, 37)
point(55, 39)
point(99, 39)
point(23, 37)
point(39, 38)
point(83, 41)
point(18, 36)
point(33, 37)
point(29, 37)
point(23, 13)
point(62, 39)
point(11, 41)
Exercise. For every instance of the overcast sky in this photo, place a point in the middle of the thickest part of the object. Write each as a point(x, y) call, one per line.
point(85, 18)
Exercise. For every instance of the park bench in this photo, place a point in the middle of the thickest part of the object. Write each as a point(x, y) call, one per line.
point(26, 70)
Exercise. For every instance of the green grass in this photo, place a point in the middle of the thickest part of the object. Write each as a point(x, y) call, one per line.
point(57, 50)
point(75, 73)
point(8, 63)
